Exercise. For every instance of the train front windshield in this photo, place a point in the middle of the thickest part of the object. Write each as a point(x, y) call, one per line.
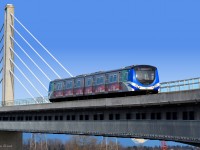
point(145, 74)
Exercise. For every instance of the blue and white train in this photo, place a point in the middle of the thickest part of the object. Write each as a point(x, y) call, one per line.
point(130, 80)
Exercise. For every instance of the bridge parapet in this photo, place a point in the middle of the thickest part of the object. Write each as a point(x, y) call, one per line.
point(27, 101)
point(180, 85)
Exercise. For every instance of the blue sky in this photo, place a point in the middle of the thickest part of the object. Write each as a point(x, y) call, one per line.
point(92, 35)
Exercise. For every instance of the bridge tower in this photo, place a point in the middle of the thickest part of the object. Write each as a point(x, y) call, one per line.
point(9, 140)
point(8, 81)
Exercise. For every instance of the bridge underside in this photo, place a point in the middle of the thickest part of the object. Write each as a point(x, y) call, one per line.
point(181, 131)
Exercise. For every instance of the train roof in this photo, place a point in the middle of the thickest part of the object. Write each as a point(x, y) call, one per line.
point(100, 72)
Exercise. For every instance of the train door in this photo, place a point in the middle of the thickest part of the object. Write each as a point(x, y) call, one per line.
point(113, 82)
point(58, 89)
point(79, 86)
point(124, 80)
point(88, 85)
point(99, 83)
point(68, 88)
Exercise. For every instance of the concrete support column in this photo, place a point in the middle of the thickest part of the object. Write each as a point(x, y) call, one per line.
point(10, 140)
point(8, 81)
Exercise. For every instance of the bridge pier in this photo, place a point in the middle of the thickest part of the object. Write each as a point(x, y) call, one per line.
point(10, 140)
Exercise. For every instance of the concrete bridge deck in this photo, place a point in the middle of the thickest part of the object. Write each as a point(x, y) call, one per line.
point(191, 96)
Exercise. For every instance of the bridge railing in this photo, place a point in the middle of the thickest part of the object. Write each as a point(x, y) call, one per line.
point(27, 101)
point(180, 85)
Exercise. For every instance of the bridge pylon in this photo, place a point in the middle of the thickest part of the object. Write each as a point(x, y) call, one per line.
point(8, 79)
point(9, 140)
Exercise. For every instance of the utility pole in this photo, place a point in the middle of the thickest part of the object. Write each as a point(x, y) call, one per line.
point(8, 80)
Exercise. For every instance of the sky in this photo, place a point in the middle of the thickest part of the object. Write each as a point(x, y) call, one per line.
point(98, 35)
point(92, 35)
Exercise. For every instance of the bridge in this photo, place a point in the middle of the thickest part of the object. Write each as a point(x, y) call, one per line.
point(173, 114)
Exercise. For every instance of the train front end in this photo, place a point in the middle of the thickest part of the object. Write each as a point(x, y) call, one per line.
point(145, 78)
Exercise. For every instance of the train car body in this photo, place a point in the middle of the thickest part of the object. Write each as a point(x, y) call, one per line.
point(128, 80)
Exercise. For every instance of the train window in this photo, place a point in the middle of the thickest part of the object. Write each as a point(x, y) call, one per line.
point(61, 117)
point(88, 82)
point(69, 84)
point(51, 86)
point(115, 78)
point(110, 79)
point(145, 75)
point(56, 117)
point(58, 86)
point(100, 80)
point(79, 83)
point(45, 117)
